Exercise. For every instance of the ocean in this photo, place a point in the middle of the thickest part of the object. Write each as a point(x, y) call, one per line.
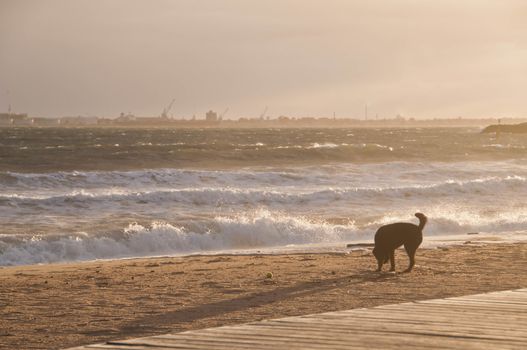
point(75, 194)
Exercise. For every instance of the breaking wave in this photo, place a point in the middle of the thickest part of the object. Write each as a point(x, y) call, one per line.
point(214, 196)
point(260, 229)
point(249, 231)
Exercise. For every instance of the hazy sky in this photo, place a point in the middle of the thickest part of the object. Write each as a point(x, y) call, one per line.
point(421, 58)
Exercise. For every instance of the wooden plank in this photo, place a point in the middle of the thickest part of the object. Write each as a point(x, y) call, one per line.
point(402, 328)
point(198, 342)
point(486, 301)
point(484, 321)
point(444, 329)
point(310, 334)
point(513, 300)
point(255, 341)
point(480, 308)
point(462, 317)
point(379, 322)
point(433, 311)
point(351, 341)
point(372, 324)
point(116, 347)
point(462, 312)
point(241, 342)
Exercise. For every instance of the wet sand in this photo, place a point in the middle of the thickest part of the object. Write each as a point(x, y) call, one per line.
point(63, 305)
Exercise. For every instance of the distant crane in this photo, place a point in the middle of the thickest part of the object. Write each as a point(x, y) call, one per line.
point(167, 109)
point(262, 116)
point(8, 102)
point(224, 112)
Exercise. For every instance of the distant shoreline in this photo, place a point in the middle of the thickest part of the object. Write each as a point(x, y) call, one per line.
point(23, 120)
point(249, 126)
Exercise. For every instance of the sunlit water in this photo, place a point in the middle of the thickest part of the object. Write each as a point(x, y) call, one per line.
point(80, 194)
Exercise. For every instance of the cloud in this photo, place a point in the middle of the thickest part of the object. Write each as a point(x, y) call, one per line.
point(299, 57)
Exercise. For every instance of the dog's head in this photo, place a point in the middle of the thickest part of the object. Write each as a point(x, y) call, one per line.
point(381, 257)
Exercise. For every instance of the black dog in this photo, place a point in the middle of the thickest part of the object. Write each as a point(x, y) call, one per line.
point(392, 236)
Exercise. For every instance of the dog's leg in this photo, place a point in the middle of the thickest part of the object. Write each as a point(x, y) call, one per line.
point(379, 265)
point(392, 260)
point(410, 250)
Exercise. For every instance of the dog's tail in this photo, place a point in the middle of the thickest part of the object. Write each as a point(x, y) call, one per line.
point(422, 220)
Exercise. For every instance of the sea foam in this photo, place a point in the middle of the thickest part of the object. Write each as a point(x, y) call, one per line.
point(251, 230)
point(259, 229)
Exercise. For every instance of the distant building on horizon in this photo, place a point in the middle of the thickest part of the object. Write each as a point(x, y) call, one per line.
point(14, 119)
point(211, 116)
point(78, 120)
point(125, 118)
point(45, 121)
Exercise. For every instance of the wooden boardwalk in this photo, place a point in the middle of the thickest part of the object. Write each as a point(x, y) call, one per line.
point(484, 321)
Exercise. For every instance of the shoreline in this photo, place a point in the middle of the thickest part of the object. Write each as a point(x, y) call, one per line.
point(344, 247)
point(67, 304)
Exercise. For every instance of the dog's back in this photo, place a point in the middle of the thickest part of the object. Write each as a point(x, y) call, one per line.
point(393, 236)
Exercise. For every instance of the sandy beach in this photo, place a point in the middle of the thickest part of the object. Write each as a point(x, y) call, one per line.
point(180, 165)
point(62, 305)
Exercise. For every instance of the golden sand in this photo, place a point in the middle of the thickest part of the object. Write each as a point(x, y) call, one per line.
point(62, 305)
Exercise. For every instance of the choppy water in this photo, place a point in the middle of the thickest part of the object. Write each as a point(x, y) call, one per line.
point(79, 194)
